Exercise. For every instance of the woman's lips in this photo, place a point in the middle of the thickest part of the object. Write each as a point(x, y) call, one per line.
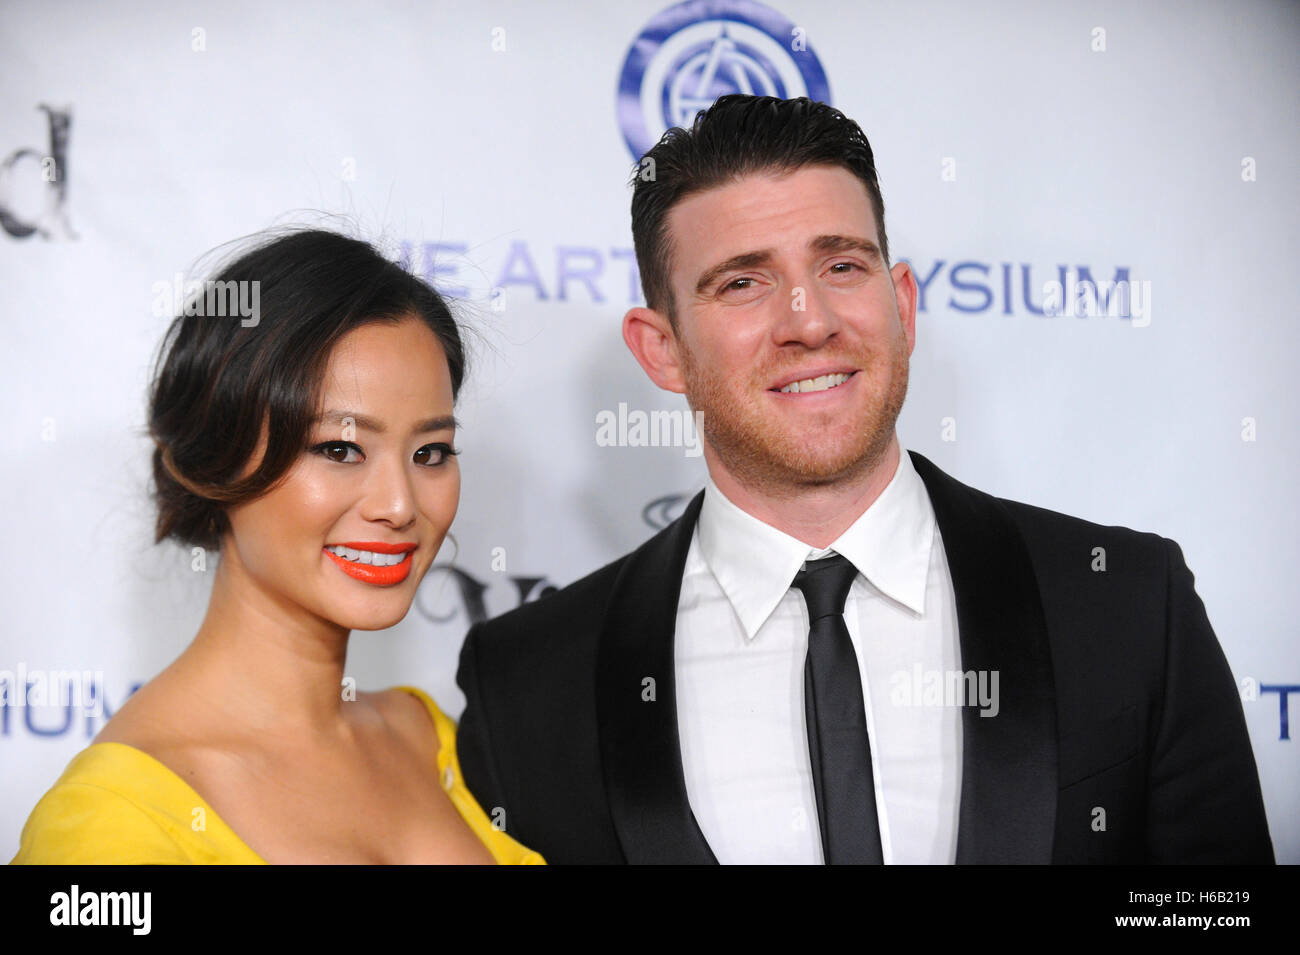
point(379, 547)
point(369, 573)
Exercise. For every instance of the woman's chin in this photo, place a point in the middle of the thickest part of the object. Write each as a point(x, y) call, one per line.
point(370, 617)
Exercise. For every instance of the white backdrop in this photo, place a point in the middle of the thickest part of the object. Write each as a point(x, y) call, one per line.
point(487, 140)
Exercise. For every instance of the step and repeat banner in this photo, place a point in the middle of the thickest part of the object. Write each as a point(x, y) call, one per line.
point(1025, 150)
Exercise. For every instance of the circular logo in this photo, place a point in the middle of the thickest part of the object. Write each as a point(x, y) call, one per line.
point(662, 511)
point(691, 53)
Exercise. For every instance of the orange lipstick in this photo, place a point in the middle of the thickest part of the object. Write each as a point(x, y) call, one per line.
point(370, 573)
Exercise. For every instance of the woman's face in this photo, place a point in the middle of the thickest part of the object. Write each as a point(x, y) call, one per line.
point(357, 521)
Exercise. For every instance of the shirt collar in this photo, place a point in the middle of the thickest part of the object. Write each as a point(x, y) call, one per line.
point(754, 563)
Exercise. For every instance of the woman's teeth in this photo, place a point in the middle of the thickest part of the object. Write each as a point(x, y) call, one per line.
point(815, 384)
point(367, 556)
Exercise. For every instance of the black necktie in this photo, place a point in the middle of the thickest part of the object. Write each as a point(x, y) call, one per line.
point(837, 719)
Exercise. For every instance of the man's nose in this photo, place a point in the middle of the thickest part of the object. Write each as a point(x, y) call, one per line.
point(807, 319)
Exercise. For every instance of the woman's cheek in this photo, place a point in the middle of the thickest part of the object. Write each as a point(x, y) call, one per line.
point(438, 499)
point(446, 502)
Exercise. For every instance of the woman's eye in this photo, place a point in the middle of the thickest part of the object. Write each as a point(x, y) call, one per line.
point(432, 455)
point(342, 452)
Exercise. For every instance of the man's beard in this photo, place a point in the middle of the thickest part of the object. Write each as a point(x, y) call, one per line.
point(765, 454)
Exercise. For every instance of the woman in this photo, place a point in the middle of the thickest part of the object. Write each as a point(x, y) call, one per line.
point(311, 444)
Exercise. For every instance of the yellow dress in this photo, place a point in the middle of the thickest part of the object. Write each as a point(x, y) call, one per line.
point(117, 804)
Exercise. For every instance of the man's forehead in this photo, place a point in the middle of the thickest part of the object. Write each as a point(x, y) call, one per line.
point(765, 206)
point(716, 247)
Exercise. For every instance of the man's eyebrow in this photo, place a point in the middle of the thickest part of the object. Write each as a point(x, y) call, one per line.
point(367, 423)
point(846, 243)
point(746, 260)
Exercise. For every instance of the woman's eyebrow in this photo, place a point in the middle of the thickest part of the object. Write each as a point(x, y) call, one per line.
point(367, 423)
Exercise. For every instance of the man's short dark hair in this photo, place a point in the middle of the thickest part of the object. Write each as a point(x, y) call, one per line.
point(738, 136)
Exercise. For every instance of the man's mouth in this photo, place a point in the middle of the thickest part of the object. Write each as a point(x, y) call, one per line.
point(819, 383)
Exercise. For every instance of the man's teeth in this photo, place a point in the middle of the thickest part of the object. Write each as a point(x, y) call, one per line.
point(814, 384)
point(367, 556)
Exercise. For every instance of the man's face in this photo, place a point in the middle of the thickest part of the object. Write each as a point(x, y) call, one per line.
point(778, 280)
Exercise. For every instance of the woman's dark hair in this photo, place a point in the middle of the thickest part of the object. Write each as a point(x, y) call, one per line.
point(220, 377)
point(736, 136)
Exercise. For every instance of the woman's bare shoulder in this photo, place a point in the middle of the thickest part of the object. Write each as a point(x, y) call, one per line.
point(407, 715)
point(161, 720)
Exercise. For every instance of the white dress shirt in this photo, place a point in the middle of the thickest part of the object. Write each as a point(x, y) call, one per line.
point(741, 640)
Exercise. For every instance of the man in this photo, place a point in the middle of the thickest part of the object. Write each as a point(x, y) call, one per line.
point(839, 653)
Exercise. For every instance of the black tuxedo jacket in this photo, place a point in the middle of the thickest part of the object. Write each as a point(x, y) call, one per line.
point(1120, 737)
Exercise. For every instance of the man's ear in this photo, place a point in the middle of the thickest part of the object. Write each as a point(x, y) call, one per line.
point(653, 343)
point(905, 295)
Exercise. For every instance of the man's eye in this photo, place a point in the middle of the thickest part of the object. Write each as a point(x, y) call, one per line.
point(846, 266)
point(432, 455)
point(341, 452)
point(736, 284)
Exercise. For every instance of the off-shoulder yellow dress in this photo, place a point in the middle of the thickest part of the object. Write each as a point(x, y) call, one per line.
point(117, 804)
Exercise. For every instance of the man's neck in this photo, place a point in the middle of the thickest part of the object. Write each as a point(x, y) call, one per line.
point(815, 515)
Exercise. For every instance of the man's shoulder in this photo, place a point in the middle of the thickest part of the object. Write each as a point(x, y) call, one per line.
point(568, 606)
point(1091, 562)
point(581, 605)
point(1048, 525)
point(1044, 529)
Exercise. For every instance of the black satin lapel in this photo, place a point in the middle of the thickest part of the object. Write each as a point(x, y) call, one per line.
point(640, 750)
point(1009, 761)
